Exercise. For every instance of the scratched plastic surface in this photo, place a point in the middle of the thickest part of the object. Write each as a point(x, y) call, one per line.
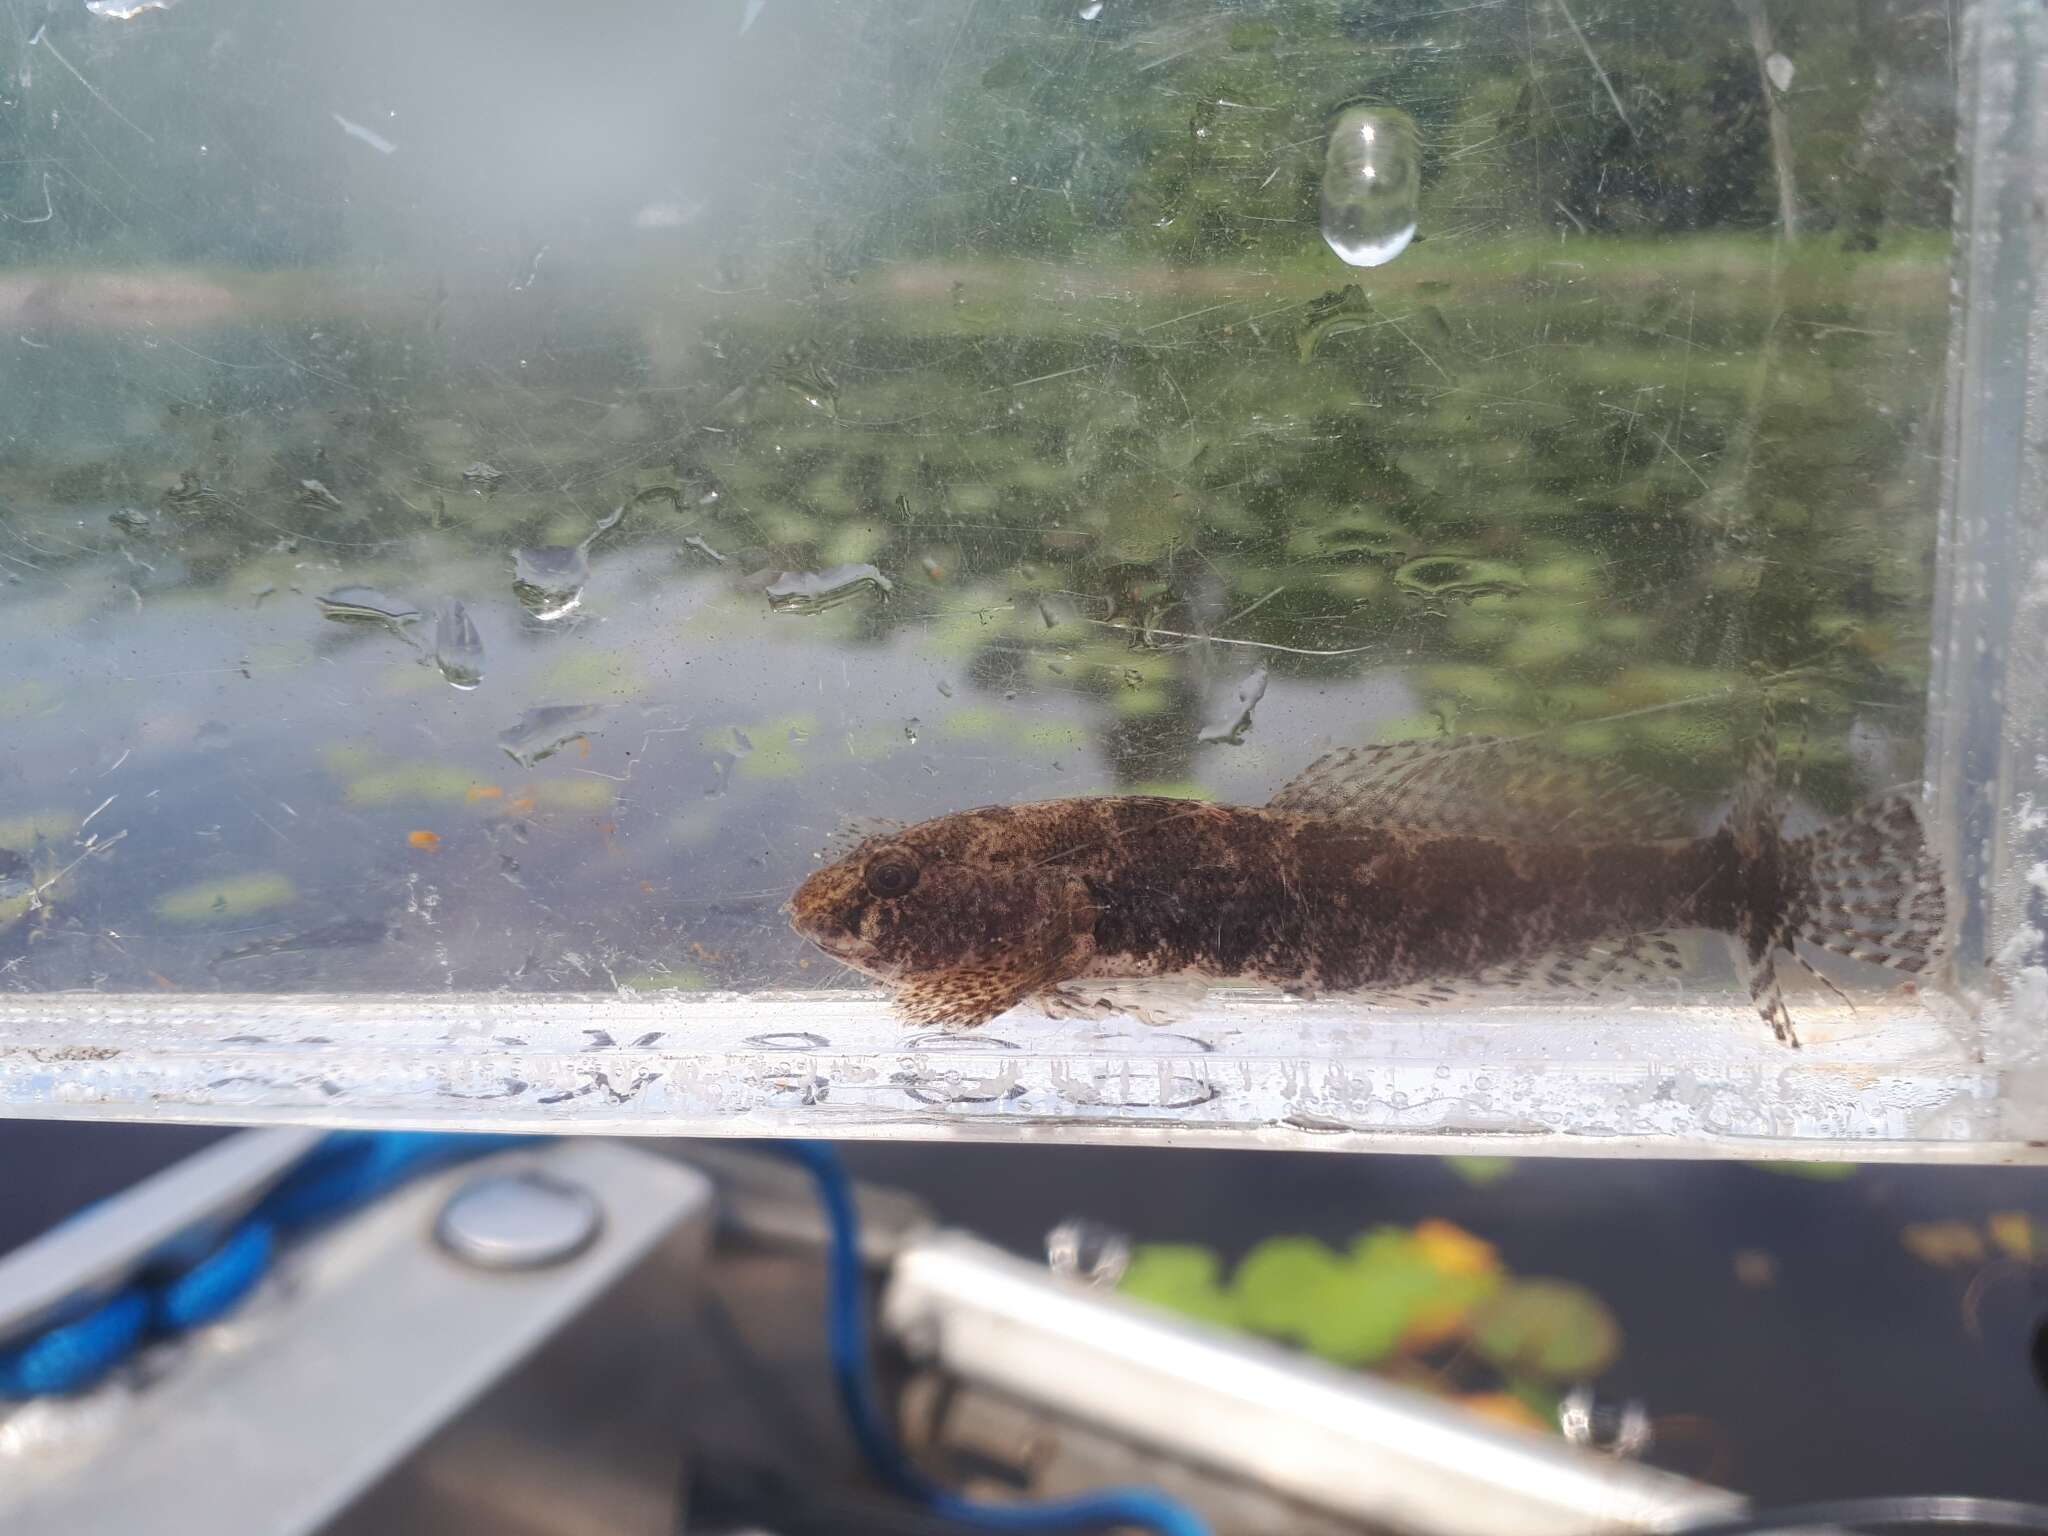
point(483, 500)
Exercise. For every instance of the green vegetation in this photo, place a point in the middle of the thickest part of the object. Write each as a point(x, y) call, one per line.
point(1430, 1304)
point(1063, 355)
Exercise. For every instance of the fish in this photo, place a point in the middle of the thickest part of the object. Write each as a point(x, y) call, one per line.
point(1412, 872)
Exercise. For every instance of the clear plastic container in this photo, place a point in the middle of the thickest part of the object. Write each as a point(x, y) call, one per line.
point(485, 502)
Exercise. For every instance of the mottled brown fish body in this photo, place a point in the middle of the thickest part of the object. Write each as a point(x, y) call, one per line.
point(1409, 865)
point(1010, 901)
point(1314, 904)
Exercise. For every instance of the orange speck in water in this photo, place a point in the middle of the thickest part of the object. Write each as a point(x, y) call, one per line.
point(522, 805)
point(163, 981)
point(647, 887)
point(426, 842)
point(485, 792)
point(583, 747)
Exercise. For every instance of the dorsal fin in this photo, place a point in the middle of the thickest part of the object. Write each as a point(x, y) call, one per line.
point(852, 831)
point(1486, 786)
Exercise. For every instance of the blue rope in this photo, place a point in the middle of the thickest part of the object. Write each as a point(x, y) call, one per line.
point(846, 1330)
point(181, 1290)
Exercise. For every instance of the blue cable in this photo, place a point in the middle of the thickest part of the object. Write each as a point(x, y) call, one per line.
point(846, 1337)
point(179, 1291)
point(82, 1350)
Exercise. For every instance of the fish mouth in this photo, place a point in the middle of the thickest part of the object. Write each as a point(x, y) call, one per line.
point(811, 915)
point(849, 950)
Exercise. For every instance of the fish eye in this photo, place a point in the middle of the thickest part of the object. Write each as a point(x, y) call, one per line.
point(893, 874)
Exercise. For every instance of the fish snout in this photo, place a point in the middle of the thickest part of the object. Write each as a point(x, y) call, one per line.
point(819, 912)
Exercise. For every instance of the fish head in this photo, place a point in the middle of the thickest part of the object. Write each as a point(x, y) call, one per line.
point(961, 894)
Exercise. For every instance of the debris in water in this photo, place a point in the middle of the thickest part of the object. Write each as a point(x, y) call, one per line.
point(131, 520)
point(1372, 178)
point(425, 842)
point(191, 494)
point(313, 494)
point(126, 10)
point(807, 379)
point(366, 605)
point(704, 549)
point(697, 487)
point(1455, 576)
point(669, 213)
point(815, 591)
point(1341, 310)
point(1237, 720)
point(544, 731)
point(458, 648)
point(1091, 10)
point(335, 935)
point(481, 479)
point(369, 136)
point(1781, 70)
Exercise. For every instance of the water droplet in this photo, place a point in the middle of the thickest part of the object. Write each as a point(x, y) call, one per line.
point(126, 10)
point(480, 479)
point(945, 689)
point(910, 730)
point(458, 648)
point(1237, 718)
point(366, 605)
point(548, 579)
point(544, 731)
point(1372, 177)
point(1455, 576)
point(1091, 10)
point(815, 591)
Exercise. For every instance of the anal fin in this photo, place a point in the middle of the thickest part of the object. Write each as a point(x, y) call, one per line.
point(1631, 962)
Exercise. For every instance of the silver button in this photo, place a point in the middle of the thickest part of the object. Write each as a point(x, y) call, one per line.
point(518, 1221)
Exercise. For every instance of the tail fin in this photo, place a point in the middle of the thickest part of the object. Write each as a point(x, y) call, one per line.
point(1874, 888)
point(1866, 886)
